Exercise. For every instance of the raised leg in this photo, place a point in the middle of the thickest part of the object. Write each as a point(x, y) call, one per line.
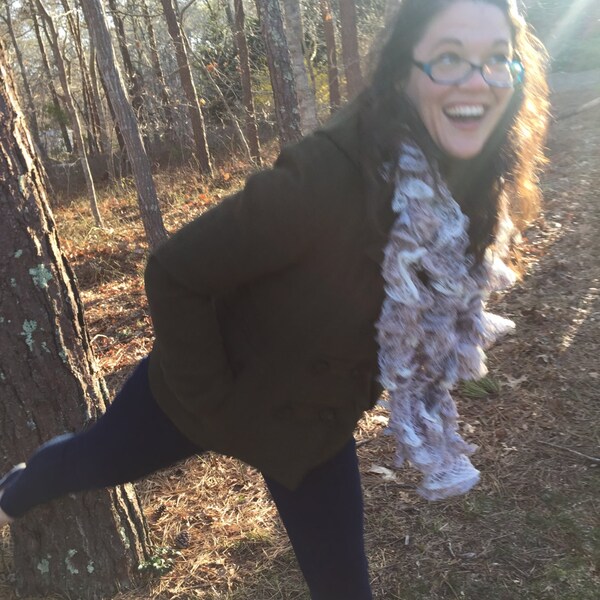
point(132, 439)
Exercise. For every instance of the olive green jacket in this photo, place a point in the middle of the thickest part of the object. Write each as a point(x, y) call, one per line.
point(264, 310)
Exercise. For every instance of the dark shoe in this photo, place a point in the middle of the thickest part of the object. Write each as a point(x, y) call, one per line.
point(4, 483)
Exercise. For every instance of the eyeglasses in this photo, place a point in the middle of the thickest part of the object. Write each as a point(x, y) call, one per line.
point(450, 69)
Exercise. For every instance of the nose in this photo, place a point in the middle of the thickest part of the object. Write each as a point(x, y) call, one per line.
point(475, 81)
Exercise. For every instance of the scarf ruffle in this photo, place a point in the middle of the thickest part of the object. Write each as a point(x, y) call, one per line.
point(432, 325)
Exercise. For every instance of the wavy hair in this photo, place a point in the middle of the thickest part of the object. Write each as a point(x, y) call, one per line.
point(504, 176)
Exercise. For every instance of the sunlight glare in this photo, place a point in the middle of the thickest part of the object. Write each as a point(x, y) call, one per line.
point(582, 313)
point(565, 24)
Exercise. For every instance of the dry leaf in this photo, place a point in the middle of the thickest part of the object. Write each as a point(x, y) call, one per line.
point(388, 474)
point(514, 383)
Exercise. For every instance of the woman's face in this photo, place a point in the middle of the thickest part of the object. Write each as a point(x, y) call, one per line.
point(461, 117)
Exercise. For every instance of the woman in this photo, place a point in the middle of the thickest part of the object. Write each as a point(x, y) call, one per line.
point(279, 313)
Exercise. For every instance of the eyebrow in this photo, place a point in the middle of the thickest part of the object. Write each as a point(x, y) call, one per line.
point(457, 42)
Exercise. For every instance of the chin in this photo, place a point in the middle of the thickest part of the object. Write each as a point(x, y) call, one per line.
point(463, 153)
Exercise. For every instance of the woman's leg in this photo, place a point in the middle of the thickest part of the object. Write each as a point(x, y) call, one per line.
point(324, 520)
point(132, 439)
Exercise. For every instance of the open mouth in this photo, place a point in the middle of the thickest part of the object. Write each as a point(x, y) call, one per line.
point(465, 113)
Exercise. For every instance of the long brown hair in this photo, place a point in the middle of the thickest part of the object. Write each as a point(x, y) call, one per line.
point(505, 173)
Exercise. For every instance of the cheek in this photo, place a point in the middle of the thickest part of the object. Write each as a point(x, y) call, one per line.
point(426, 96)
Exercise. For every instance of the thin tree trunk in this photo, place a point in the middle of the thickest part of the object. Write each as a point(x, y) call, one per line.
point(295, 38)
point(244, 65)
point(72, 112)
point(280, 71)
point(142, 171)
point(189, 89)
point(50, 80)
point(134, 77)
point(31, 112)
point(332, 68)
point(232, 117)
point(123, 162)
point(165, 97)
point(350, 56)
point(105, 137)
point(89, 112)
point(90, 546)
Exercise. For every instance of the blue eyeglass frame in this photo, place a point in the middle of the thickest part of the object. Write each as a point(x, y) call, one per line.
point(516, 66)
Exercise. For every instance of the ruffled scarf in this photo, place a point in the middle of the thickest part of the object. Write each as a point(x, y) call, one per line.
point(432, 325)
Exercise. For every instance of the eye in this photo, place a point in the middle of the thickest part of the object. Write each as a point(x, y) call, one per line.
point(499, 58)
point(448, 58)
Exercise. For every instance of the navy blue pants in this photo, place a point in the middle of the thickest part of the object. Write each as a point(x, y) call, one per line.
point(323, 516)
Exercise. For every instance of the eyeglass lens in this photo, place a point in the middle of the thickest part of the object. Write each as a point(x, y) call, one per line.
point(494, 72)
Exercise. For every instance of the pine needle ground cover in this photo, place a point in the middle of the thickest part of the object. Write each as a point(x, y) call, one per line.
point(530, 530)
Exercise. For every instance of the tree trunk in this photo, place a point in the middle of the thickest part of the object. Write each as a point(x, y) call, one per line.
point(77, 132)
point(332, 68)
point(46, 64)
point(165, 98)
point(295, 38)
point(285, 98)
point(189, 89)
point(134, 77)
point(140, 164)
point(350, 56)
point(32, 118)
point(90, 113)
point(49, 385)
point(244, 64)
point(105, 137)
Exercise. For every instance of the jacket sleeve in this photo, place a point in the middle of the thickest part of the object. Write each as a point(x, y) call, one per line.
point(267, 226)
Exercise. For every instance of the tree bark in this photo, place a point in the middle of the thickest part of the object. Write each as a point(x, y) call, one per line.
point(49, 385)
point(105, 137)
point(285, 98)
point(350, 55)
point(90, 112)
point(134, 77)
point(32, 117)
point(245, 78)
point(140, 163)
point(165, 97)
point(189, 89)
point(295, 38)
point(46, 64)
point(77, 132)
point(332, 68)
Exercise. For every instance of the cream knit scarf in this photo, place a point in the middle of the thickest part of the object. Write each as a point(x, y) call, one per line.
point(432, 325)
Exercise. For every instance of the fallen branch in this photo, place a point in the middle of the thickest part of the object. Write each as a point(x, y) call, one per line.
point(365, 441)
point(592, 458)
point(579, 109)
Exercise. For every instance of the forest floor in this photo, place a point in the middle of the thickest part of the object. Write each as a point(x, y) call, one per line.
point(530, 530)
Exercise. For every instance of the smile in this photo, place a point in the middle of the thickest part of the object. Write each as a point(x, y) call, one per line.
point(462, 112)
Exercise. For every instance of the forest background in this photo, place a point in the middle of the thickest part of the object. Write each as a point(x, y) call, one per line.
point(206, 117)
point(329, 43)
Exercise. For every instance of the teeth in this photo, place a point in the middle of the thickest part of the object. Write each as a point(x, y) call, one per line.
point(465, 111)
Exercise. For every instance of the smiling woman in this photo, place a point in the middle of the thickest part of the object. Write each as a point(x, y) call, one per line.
point(357, 262)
